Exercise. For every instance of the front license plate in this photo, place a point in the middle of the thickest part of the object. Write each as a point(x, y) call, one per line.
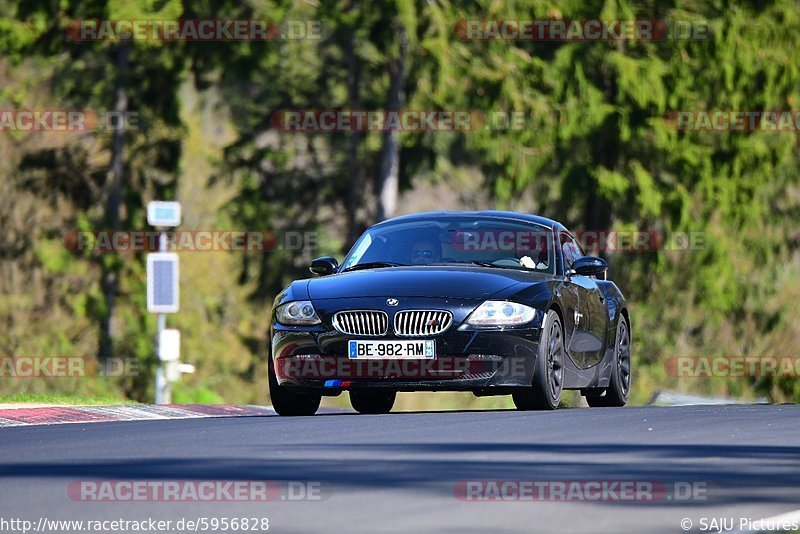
point(403, 349)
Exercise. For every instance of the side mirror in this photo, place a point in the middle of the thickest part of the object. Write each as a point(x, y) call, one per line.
point(589, 266)
point(323, 266)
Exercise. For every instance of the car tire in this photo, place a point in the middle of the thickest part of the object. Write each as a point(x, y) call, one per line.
point(288, 403)
point(548, 374)
point(371, 402)
point(619, 387)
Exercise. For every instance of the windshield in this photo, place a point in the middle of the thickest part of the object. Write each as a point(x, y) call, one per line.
point(488, 242)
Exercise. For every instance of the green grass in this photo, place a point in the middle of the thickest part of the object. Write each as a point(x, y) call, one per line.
point(43, 398)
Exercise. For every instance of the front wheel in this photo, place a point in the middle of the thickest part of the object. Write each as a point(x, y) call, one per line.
point(548, 375)
point(369, 402)
point(288, 403)
point(619, 388)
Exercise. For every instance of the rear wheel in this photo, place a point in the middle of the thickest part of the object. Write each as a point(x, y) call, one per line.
point(286, 402)
point(372, 402)
point(548, 375)
point(619, 387)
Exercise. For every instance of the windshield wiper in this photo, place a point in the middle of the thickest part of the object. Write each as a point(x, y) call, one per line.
point(373, 265)
point(475, 262)
point(465, 262)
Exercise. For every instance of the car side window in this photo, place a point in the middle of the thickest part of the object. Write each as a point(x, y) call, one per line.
point(578, 248)
point(569, 249)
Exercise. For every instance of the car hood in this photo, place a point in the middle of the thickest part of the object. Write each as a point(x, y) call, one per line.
point(421, 281)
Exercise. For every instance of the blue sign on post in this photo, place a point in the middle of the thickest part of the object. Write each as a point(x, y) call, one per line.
point(163, 295)
point(163, 213)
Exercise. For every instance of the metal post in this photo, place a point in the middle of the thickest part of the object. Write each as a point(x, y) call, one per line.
point(163, 387)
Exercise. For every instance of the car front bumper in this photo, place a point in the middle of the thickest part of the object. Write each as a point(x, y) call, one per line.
point(483, 361)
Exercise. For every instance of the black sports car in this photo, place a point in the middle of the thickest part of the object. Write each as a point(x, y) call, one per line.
point(491, 302)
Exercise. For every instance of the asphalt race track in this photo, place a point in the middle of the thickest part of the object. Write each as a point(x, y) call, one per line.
point(402, 472)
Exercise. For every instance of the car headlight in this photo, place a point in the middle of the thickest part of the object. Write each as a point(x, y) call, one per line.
point(501, 313)
point(300, 312)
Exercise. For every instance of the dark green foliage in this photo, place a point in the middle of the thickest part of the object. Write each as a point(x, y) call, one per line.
point(597, 152)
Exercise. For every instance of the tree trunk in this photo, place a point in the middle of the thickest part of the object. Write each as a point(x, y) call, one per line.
point(110, 276)
point(388, 175)
point(597, 210)
point(596, 216)
point(354, 143)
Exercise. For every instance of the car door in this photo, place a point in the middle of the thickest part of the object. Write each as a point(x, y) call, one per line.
point(573, 307)
point(596, 319)
point(587, 345)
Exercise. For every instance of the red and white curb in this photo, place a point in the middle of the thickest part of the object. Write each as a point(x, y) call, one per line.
point(103, 414)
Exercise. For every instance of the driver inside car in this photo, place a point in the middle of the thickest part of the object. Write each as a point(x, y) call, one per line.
point(425, 252)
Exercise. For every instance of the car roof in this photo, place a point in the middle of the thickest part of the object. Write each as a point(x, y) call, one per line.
point(509, 215)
